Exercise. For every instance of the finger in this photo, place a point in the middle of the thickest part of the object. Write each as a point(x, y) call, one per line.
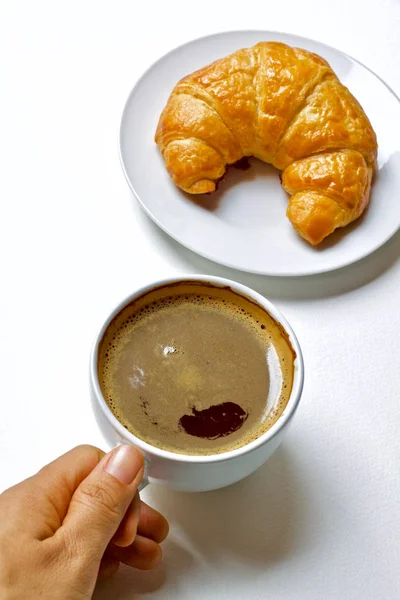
point(101, 501)
point(44, 498)
point(71, 468)
point(108, 567)
point(126, 532)
point(143, 554)
point(60, 478)
point(152, 524)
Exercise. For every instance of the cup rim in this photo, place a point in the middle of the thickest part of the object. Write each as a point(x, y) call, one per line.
point(149, 449)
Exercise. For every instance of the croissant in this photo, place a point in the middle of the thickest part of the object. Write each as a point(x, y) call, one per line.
point(285, 106)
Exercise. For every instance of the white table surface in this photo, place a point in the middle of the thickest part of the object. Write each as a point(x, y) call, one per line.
point(322, 518)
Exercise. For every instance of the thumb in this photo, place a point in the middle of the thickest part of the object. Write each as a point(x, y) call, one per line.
point(100, 502)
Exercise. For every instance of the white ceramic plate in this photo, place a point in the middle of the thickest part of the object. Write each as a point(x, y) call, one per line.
point(243, 225)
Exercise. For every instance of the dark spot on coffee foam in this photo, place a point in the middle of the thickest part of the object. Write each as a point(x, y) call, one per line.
point(214, 422)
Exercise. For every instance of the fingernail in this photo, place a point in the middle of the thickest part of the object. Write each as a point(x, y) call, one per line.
point(124, 464)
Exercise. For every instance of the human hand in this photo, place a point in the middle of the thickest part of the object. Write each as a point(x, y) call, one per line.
point(76, 519)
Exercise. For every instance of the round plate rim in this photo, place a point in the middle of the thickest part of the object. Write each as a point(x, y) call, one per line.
point(203, 254)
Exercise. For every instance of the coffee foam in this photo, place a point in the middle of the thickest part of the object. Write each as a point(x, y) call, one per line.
point(280, 355)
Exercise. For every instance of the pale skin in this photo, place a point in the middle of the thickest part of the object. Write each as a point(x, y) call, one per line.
point(75, 521)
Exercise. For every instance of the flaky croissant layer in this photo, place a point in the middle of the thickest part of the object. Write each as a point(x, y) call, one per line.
point(286, 107)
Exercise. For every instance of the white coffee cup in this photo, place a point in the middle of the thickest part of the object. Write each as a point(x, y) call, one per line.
point(199, 473)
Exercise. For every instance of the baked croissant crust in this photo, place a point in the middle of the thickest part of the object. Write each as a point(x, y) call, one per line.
point(285, 106)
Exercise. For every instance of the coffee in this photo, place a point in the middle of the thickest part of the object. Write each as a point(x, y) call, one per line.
point(195, 369)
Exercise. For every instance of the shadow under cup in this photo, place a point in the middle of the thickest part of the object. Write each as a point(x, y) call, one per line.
point(199, 472)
